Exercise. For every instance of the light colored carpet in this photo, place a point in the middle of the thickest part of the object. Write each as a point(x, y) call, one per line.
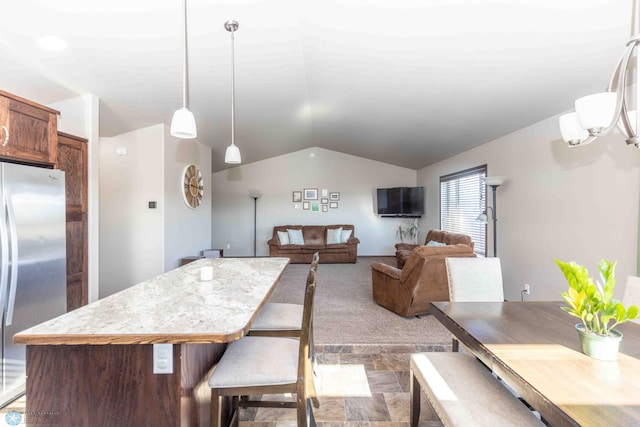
point(345, 312)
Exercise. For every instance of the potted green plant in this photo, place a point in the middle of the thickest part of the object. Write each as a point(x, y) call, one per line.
point(412, 230)
point(400, 233)
point(594, 305)
point(408, 231)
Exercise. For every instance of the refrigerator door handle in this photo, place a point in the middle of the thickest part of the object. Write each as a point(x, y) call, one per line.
point(14, 259)
point(4, 247)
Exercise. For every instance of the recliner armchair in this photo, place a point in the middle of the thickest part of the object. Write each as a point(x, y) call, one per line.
point(408, 291)
point(403, 250)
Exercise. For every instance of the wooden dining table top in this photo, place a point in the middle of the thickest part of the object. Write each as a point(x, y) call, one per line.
point(534, 347)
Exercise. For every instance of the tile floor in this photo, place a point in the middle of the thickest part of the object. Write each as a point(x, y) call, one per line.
point(358, 386)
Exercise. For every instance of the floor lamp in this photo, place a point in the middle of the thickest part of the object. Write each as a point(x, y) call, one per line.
point(494, 182)
point(255, 197)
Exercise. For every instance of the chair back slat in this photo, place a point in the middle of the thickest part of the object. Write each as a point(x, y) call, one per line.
point(314, 261)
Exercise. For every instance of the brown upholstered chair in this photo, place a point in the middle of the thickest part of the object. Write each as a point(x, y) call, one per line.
point(408, 291)
point(403, 250)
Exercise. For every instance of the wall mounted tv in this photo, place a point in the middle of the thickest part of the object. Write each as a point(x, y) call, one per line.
point(401, 201)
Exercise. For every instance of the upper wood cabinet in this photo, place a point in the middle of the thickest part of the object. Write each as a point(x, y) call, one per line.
point(28, 131)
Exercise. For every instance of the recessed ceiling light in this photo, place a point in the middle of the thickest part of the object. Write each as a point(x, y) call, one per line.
point(52, 43)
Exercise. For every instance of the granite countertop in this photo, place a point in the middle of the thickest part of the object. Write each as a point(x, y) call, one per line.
point(174, 307)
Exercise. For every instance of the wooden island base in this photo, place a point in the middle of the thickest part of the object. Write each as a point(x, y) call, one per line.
point(114, 385)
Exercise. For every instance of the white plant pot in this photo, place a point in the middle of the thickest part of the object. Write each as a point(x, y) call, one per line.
point(598, 346)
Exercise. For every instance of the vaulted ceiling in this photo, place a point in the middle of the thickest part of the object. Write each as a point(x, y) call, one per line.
point(406, 82)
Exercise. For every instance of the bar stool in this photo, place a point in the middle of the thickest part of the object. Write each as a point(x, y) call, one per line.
point(281, 319)
point(268, 365)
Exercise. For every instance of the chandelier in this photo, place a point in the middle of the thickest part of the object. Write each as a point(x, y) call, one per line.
point(596, 115)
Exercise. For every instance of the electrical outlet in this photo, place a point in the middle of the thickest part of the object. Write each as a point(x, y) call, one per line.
point(527, 289)
point(163, 358)
point(228, 245)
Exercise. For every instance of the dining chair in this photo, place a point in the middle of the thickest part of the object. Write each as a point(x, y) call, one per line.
point(257, 365)
point(632, 294)
point(474, 280)
point(281, 319)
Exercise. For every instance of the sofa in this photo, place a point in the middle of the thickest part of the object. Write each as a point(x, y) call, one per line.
point(408, 291)
point(334, 243)
point(437, 238)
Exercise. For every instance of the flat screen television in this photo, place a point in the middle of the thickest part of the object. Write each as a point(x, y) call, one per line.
point(401, 201)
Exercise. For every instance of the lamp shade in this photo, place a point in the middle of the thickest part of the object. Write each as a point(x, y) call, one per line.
point(483, 217)
point(494, 180)
point(232, 155)
point(571, 130)
point(183, 124)
point(596, 112)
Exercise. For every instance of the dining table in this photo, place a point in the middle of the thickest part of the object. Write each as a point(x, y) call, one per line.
point(534, 348)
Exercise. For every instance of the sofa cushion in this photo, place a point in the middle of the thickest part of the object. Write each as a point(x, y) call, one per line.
point(434, 243)
point(334, 236)
point(345, 236)
point(449, 238)
point(338, 248)
point(283, 236)
point(295, 237)
point(314, 235)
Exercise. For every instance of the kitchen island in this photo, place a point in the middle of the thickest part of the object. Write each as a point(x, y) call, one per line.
point(94, 366)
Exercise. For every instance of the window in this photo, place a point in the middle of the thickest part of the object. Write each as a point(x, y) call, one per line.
point(463, 197)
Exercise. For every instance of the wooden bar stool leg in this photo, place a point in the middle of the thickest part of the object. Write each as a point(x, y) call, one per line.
point(215, 417)
point(414, 391)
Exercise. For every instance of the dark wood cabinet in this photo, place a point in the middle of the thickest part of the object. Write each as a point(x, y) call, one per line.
point(72, 159)
point(28, 131)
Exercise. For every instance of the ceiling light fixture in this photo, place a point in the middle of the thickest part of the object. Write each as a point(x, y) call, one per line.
point(183, 124)
point(596, 115)
point(232, 155)
point(52, 43)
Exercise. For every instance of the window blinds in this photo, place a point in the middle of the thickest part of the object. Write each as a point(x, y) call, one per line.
point(462, 199)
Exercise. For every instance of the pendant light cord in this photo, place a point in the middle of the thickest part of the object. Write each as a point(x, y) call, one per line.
point(233, 91)
point(185, 87)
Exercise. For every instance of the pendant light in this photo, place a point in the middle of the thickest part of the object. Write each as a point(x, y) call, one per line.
point(183, 124)
point(598, 114)
point(232, 155)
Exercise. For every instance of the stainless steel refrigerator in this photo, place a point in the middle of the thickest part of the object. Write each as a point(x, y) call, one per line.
point(33, 266)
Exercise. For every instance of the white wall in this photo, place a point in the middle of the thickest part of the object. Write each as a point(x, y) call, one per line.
point(131, 234)
point(576, 204)
point(187, 231)
point(355, 178)
point(81, 117)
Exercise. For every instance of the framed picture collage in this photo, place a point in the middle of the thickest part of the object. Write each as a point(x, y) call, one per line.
point(310, 199)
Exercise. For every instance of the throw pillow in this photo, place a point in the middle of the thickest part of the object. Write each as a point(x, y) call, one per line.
point(283, 236)
point(345, 236)
point(333, 235)
point(434, 243)
point(295, 237)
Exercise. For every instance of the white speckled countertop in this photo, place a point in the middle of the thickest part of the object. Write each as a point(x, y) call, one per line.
point(174, 307)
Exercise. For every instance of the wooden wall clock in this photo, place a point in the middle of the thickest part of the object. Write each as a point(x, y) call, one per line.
point(193, 186)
